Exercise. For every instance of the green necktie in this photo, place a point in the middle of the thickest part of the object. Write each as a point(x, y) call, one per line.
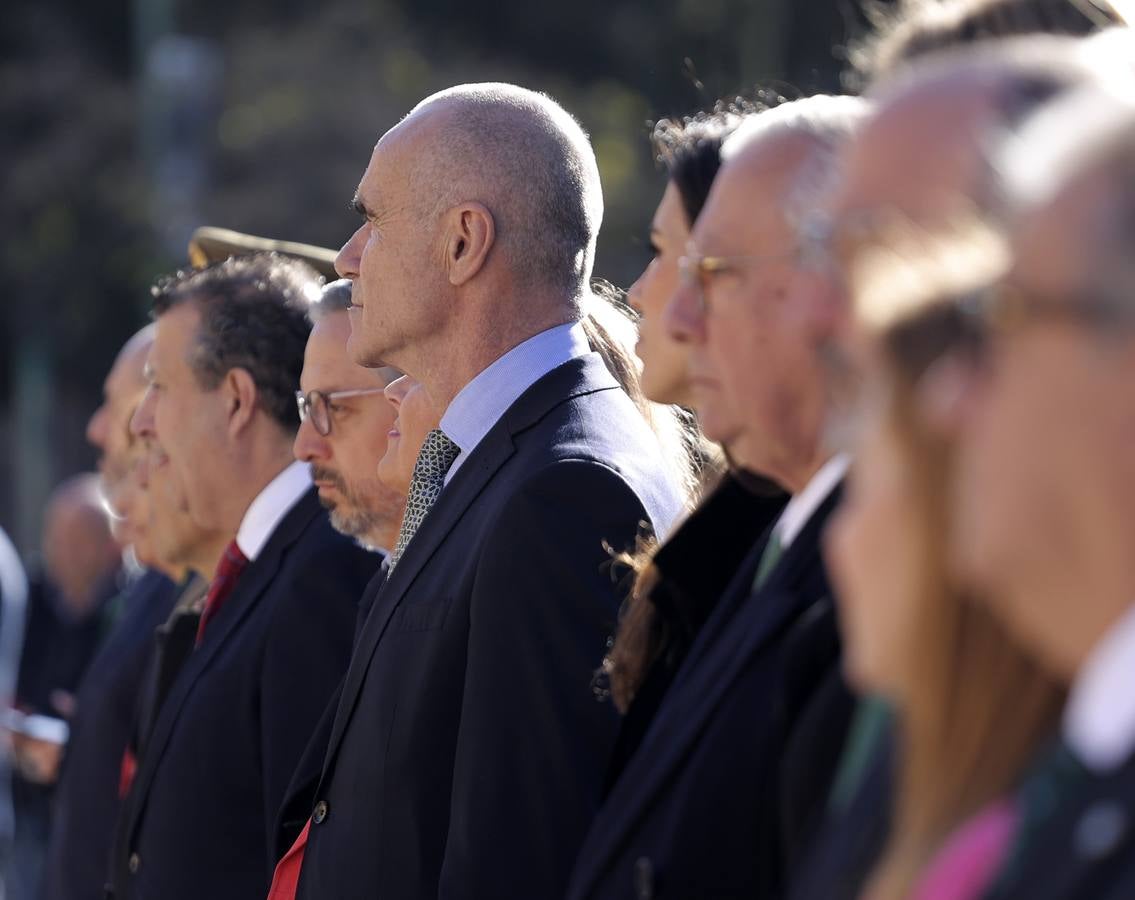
point(1050, 784)
point(774, 550)
point(869, 728)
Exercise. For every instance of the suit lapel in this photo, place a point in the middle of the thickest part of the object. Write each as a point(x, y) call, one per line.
point(740, 626)
point(247, 591)
point(458, 495)
point(583, 375)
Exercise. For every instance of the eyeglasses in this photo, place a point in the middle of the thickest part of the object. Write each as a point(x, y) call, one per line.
point(1003, 309)
point(319, 405)
point(699, 271)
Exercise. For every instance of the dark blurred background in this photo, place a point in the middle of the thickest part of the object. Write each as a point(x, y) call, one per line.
point(127, 124)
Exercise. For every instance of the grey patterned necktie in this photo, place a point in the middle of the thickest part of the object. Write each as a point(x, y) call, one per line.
point(434, 460)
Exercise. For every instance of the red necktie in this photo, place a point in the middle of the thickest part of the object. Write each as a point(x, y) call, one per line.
point(228, 571)
point(286, 878)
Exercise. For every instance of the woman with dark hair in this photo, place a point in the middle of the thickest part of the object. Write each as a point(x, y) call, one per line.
point(690, 152)
point(675, 587)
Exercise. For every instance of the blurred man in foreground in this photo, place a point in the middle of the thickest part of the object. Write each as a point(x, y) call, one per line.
point(1046, 506)
point(344, 425)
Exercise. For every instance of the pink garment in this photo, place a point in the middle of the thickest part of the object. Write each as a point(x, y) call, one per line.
point(965, 867)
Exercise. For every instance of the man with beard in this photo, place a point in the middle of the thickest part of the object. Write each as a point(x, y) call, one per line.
point(344, 424)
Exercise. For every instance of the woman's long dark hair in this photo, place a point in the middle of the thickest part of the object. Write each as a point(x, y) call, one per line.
point(689, 150)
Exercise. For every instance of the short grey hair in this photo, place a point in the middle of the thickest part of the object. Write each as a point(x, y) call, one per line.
point(826, 118)
point(523, 155)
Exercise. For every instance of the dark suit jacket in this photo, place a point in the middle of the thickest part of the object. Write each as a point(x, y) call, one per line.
point(851, 840)
point(86, 799)
point(697, 812)
point(200, 819)
point(693, 569)
point(467, 752)
point(1086, 849)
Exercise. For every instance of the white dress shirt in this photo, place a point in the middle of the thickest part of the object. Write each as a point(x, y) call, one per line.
point(804, 503)
point(480, 404)
point(1099, 717)
point(270, 506)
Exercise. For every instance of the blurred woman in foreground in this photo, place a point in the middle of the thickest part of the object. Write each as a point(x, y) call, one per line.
point(971, 708)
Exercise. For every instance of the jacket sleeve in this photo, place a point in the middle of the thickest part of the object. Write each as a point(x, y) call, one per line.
point(533, 740)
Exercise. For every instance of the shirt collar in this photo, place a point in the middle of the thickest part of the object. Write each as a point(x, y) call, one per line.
point(1099, 717)
point(270, 506)
point(480, 404)
point(805, 503)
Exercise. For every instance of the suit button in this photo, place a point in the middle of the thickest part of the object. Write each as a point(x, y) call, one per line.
point(1100, 831)
point(320, 812)
point(643, 879)
point(134, 863)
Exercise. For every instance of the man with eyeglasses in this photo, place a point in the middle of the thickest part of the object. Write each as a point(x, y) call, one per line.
point(1045, 505)
point(914, 210)
point(734, 765)
point(344, 421)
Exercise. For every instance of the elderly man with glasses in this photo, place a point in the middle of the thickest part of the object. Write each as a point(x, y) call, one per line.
point(344, 423)
point(735, 763)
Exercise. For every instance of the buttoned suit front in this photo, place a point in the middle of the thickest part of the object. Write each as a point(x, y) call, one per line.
point(467, 751)
point(200, 820)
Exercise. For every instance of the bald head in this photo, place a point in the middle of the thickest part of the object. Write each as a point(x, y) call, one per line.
point(109, 427)
point(78, 548)
point(481, 210)
point(528, 161)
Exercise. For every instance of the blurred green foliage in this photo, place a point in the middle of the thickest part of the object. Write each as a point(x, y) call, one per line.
point(303, 92)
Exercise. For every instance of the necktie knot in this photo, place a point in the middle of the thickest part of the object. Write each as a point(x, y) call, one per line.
point(434, 461)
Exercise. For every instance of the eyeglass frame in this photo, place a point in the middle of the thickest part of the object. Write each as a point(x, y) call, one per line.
point(304, 404)
point(707, 266)
point(1004, 308)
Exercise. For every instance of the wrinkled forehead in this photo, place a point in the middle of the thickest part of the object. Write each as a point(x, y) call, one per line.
point(750, 191)
point(922, 153)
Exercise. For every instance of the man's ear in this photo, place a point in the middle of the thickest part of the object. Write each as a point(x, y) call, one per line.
point(470, 234)
point(240, 395)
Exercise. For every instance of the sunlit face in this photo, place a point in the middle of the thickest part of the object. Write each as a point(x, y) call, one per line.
point(344, 463)
point(131, 504)
point(176, 540)
point(913, 169)
point(109, 426)
point(756, 383)
point(875, 546)
point(1046, 474)
point(665, 378)
point(398, 284)
point(189, 424)
point(415, 417)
